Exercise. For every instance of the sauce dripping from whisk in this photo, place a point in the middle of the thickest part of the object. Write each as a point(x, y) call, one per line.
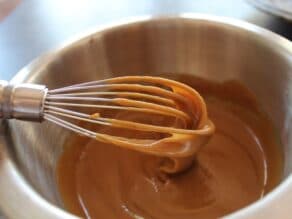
point(188, 127)
point(181, 139)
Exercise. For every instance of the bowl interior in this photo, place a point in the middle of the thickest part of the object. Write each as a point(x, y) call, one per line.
point(209, 49)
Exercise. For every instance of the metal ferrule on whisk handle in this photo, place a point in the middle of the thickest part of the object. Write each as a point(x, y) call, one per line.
point(22, 101)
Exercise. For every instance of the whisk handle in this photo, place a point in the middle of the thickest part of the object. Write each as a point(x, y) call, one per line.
point(22, 101)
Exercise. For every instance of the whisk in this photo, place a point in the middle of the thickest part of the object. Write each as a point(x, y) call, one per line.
point(146, 95)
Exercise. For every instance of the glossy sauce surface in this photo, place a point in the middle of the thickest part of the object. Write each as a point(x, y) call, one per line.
point(241, 163)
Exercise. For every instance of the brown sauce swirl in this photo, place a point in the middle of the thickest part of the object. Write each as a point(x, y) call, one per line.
point(240, 164)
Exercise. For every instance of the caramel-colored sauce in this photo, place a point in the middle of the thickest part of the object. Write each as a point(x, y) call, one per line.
point(241, 163)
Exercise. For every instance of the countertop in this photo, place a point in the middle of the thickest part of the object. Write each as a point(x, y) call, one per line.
point(36, 26)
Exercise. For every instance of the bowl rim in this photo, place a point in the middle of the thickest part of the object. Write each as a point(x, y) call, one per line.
point(38, 207)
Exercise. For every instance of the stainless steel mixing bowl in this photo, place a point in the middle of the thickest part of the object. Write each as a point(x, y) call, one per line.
point(215, 48)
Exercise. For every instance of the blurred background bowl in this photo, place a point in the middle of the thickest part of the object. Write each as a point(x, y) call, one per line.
point(281, 8)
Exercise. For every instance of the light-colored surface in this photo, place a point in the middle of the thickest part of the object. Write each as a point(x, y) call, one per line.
point(214, 48)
